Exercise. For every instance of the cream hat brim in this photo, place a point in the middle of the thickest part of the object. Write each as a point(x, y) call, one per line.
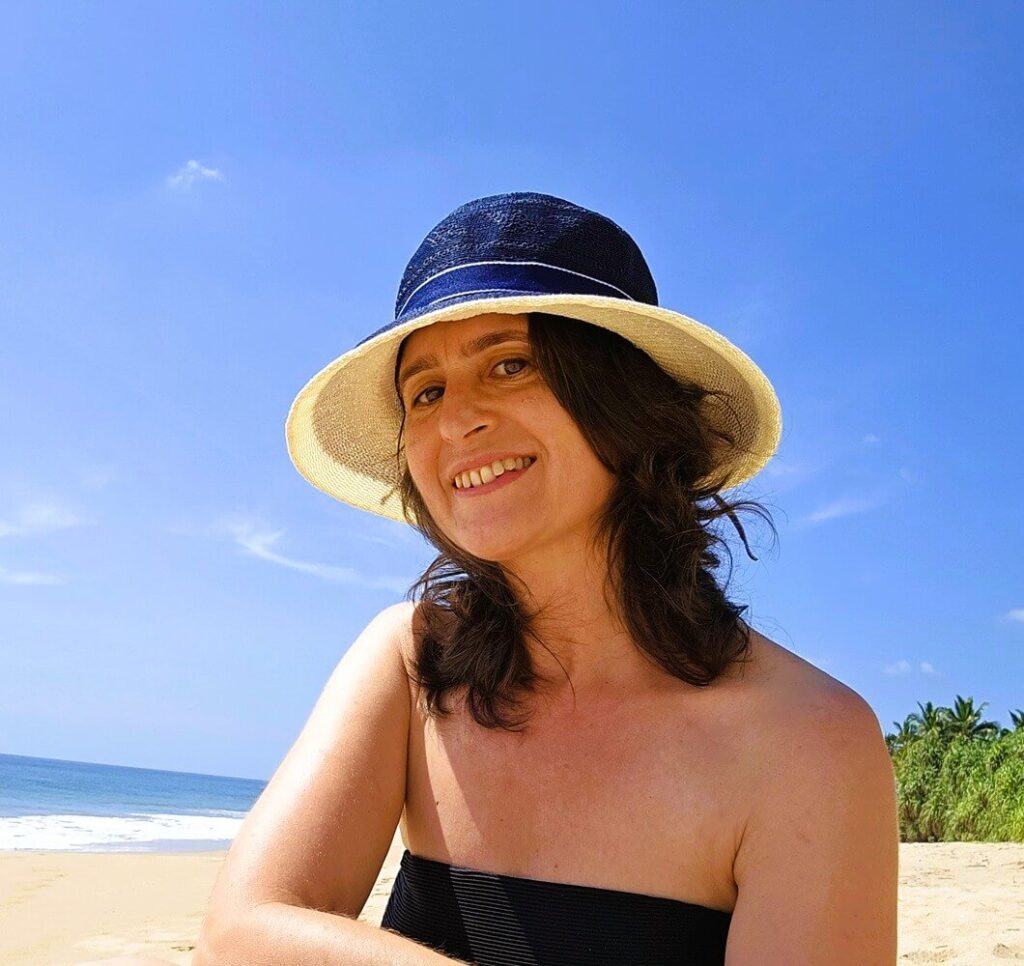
point(342, 428)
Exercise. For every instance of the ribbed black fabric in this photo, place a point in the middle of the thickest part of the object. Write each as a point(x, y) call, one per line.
point(502, 920)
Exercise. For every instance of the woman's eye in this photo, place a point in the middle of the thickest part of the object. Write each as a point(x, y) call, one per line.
point(416, 398)
point(515, 361)
point(523, 362)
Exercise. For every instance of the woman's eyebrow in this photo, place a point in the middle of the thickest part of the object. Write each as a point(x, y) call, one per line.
point(467, 349)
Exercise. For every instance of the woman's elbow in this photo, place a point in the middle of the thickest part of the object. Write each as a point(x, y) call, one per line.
point(217, 944)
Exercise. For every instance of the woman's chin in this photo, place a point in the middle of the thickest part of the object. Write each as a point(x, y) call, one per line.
point(486, 544)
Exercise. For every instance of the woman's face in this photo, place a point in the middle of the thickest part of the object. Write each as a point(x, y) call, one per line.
point(478, 399)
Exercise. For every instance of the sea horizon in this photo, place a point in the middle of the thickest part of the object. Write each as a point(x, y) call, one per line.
point(60, 805)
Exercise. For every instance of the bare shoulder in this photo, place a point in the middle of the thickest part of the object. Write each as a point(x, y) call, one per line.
point(402, 624)
point(801, 728)
point(319, 832)
point(413, 620)
point(404, 621)
point(821, 811)
point(789, 692)
point(800, 718)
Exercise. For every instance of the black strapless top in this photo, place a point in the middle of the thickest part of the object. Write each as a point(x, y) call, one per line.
point(502, 920)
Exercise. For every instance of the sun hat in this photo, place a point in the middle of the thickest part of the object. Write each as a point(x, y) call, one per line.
point(515, 253)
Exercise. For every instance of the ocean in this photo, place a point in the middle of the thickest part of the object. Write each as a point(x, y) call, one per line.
point(76, 806)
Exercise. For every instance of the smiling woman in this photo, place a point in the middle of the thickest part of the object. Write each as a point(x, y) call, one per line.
point(618, 449)
point(590, 757)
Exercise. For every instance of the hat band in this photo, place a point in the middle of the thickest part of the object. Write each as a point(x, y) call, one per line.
point(480, 278)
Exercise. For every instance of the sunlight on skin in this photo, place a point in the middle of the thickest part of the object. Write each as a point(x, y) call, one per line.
point(486, 404)
point(540, 526)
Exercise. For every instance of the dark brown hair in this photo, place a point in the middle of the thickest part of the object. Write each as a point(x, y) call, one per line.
point(653, 433)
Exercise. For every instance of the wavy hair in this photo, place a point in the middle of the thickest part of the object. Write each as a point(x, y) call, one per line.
point(652, 432)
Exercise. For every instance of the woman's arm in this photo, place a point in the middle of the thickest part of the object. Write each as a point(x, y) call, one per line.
point(308, 853)
point(277, 933)
point(817, 866)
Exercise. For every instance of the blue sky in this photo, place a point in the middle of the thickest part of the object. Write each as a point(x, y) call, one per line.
point(203, 204)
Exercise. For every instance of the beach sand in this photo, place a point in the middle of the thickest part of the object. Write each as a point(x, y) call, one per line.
point(960, 903)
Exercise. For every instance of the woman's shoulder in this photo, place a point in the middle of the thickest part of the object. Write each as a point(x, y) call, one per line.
point(400, 624)
point(407, 622)
point(788, 700)
point(786, 677)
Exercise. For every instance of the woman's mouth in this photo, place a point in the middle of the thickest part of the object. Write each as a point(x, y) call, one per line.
point(507, 478)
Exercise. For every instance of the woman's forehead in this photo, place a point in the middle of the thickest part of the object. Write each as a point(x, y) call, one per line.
point(457, 333)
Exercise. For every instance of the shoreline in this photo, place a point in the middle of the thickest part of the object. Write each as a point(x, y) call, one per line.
point(959, 903)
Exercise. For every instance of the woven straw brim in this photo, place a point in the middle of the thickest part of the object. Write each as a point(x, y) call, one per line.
point(342, 429)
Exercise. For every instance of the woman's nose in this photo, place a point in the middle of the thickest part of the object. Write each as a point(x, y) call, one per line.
point(463, 411)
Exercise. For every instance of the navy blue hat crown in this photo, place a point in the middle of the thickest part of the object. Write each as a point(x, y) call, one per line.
point(518, 252)
point(521, 243)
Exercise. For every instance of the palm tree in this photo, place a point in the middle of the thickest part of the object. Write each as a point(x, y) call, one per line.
point(1017, 720)
point(905, 733)
point(965, 719)
point(930, 720)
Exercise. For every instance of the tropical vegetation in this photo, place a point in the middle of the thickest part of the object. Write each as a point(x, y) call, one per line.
point(958, 777)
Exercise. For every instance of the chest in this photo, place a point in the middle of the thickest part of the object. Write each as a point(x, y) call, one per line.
point(643, 798)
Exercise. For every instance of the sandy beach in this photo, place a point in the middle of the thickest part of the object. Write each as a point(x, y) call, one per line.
point(960, 903)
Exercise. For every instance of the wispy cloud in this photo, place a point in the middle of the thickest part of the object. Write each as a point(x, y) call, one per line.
point(788, 472)
point(258, 541)
point(1017, 614)
point(97, 477)
point(387, 533)
point(190, 173)
point(784, 469)
point(25, 578)
point(905, 667)
point(785, 474)
point(370, 538)
point(900, 667)
point(843, 507)
point(34, 519)
point(39, 517)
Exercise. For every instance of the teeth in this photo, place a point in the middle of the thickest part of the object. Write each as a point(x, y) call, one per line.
point(486, 474)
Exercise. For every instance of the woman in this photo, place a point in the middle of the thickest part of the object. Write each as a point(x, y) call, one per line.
point(592, 758)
